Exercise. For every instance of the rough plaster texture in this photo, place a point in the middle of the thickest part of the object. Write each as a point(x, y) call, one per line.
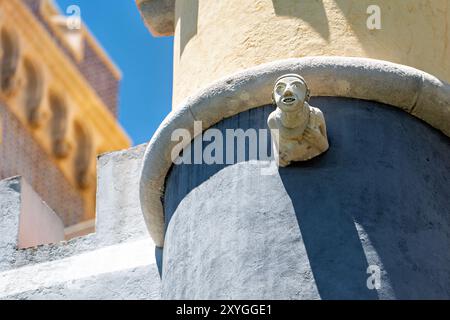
point(116, 262)
point(10, 214)
point(225, 37)
point(379, 196)
point(409, 89)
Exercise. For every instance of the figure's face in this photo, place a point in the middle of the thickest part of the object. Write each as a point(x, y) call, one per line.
point(289, 93)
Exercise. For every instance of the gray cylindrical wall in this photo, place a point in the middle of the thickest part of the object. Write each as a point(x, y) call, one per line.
point(379, 197)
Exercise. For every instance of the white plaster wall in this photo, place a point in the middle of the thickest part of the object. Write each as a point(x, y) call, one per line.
point(9, 218)
point(116, 262)
point(38, 223)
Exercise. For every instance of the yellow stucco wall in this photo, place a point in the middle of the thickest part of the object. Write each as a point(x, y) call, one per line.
point(216, 38)
point(59, 75)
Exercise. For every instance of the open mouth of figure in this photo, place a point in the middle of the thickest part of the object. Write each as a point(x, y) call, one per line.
point(289, 100)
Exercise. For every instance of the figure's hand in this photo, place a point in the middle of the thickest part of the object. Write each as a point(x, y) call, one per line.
point(283, 159)
point(309, 134)
point(315, 138)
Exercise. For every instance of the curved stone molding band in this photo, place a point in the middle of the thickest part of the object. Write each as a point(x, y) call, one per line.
point(414, 91)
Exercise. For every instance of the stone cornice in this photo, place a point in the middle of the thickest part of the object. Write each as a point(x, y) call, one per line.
point(416, 92)
point(49, 10)
point(159, 16)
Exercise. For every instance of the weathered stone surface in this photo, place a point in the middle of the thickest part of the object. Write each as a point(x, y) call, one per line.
point(159, 16)
point(409, 89)
point(378, 197)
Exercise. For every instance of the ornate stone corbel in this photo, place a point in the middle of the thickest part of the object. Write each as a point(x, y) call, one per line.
point(298, 129)
point(83, 156)
point(33, 93)
point(59, 126)
point(9, 82)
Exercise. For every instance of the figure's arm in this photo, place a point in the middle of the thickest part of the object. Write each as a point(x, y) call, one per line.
point(322, 139)
point(279, 155)
point(323, 126)
point(323, 132)
point(274, 131)
point(317, 138)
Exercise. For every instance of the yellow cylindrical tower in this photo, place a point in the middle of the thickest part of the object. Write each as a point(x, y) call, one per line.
point(214, 39)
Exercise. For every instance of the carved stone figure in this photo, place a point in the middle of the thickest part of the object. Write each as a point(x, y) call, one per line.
point(298, 129)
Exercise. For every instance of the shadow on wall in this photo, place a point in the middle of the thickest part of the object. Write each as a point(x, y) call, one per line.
point(420, 39)
point(418, 19)
point(183, 178)
point(380, 195)
point(188, 22)
point(311, 12)
point(183, 175)
point(395, 187)
point(331, 240)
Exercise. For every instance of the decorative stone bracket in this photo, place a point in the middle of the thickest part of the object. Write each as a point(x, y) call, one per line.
point(159, 16)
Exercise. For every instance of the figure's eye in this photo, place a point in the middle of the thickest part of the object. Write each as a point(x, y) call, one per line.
point(280, 87)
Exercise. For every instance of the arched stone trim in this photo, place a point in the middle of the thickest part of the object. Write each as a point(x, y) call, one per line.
point(83, 155)
point(9, 61)
point(59, 125)
point(33, 92)
point(414, 91)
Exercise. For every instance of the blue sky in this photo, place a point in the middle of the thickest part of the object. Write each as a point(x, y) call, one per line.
point(145, 61)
